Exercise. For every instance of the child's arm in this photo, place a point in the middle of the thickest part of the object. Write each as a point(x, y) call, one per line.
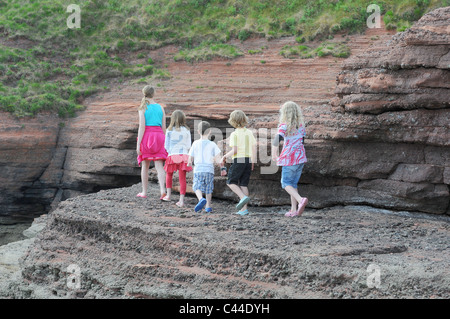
point(253, 156)
point(167, 141)
point(219, 161)
point(163, 120)
point(233, 145)
point(140, 132)
point(274, 153)
point(275, 146)
point(190, 159)
point(233, 151)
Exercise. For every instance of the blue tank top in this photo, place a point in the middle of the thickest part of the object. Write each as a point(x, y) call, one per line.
point(153, 115)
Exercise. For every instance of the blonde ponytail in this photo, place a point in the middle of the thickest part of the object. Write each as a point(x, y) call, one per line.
point(148, 92)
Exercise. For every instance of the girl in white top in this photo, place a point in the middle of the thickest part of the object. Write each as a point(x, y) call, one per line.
point(177, 143)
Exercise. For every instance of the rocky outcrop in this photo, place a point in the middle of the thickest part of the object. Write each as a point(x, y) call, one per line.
point(95, 150)
point(27, 147)
point(411, 72)
point(113, 245)
point(47, 159)
point(398, 96)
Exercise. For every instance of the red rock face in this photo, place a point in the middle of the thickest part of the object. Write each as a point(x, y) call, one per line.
point(377, 123)
point(26, 149)
point(400, 93)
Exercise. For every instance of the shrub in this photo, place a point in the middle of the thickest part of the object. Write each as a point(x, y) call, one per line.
point(339, 50)
point(254, 51)
point(300, 39)
point(289, 24)
point(244, 35)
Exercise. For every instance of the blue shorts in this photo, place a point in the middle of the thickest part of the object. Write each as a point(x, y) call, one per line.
point(290, 175)
point(203, 182)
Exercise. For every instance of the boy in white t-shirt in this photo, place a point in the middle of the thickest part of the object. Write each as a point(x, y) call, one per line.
point(204, 154)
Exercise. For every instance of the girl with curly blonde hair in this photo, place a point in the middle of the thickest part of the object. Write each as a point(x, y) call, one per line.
point(291, 130)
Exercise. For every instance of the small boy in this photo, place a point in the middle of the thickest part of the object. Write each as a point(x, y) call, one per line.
point(204, 154)
point(243, 153)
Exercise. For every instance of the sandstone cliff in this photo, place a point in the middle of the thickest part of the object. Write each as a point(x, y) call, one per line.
point(382, 141)
point(398, 95)
point(27, 147)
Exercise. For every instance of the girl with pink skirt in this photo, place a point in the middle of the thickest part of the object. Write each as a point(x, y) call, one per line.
point(150, 141)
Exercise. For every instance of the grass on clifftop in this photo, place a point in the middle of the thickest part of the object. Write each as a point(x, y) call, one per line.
point(44, 65)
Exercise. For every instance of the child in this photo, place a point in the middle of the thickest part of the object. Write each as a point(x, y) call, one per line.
point(243, 153)
point(204, 153)
point(178, 143)
point(292, 158)
point(150, 141)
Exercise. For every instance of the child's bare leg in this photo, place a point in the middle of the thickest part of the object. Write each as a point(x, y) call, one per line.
point(294, 193)
point(294, 204)
point(199, 194)
point(244, 190)
point(159, 165)
point(237, 190)
point(208, 200)
point(144, 177)
point(180, 203)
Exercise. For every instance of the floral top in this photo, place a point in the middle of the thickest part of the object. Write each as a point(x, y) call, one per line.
point(293, 152)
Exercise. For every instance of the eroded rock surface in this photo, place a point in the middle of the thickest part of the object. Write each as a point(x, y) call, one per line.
point(128, 247)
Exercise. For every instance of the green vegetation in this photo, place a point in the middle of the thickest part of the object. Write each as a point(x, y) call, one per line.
point(208, 50)
point(44, 65)
point(338, 50)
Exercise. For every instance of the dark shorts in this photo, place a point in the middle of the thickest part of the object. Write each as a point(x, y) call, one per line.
point(240, 171)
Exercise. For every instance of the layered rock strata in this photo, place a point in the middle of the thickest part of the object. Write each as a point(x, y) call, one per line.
point(398, 97)
point(27, 147)
point(113, 245)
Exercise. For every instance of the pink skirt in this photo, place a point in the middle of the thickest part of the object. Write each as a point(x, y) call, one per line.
point(152, 145)
point(177, 162)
